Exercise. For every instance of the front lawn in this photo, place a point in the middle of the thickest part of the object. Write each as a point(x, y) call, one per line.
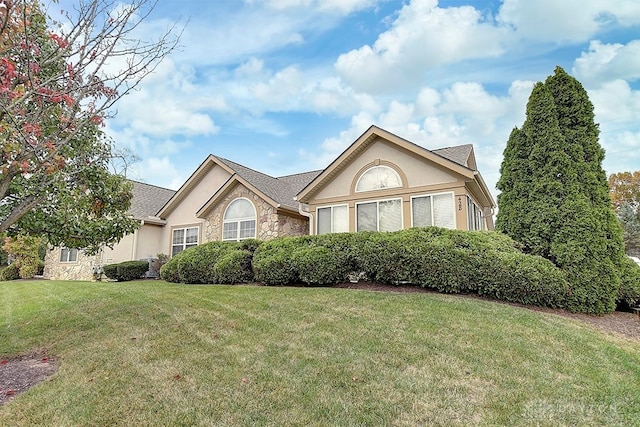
point(153, 353)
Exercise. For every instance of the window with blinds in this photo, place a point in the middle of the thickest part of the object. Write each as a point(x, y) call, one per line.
point(380, 215)
point(433, 210)
point(333, 219)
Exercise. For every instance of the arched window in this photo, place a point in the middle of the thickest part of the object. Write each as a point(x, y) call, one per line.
point(239, 221)
point(377, 178)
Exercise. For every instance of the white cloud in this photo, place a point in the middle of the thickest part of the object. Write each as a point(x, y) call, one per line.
point(422, 37)
point(567, 20)
point(604, 62)
point(342, 6)
point(464, 113)
point(617, 103)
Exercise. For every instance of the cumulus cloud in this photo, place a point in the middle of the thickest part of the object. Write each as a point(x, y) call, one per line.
point(342, 6)
point(616, 102)
point(608, 61)
point(463, 113)
point(567, 20)
point(422, 37)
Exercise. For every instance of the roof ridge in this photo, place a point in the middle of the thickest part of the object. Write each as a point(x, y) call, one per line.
point(150, 185)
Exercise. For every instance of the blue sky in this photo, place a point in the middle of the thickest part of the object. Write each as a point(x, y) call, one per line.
point(284, 86)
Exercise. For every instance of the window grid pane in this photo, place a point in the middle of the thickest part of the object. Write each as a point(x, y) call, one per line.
point(247, 229)
point(390, 215)
point(324, 220)
point(421, 209)
point(178, 236)
point(443, 210)
point(230, 231)
point(367, 216)
point(192, 235)
point(340, 219)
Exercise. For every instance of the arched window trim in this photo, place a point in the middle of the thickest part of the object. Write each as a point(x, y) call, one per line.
point(378, 168)
point(240, 228)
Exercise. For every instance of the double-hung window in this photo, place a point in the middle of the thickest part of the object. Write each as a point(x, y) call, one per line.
point(433, 210)
point(239, 221)
point(333, 219)
point(475, 220)
point(184, 238)
point(379, 215)
point(68, 255)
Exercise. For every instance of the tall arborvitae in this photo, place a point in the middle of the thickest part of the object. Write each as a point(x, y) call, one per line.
point(555, 193)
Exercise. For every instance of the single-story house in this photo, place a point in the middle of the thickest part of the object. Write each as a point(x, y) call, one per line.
point(380, 182)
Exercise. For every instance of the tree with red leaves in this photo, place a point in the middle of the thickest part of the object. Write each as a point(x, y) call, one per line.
point(59, 82)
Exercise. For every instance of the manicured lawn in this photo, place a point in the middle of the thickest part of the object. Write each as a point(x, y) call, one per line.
point(153, 353)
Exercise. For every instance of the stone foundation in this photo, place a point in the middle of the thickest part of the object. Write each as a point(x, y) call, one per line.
point(82, 269)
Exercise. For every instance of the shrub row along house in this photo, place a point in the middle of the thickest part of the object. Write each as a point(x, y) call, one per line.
point(381, 182)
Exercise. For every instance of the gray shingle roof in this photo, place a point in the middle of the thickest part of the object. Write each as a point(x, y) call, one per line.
point(281, 190)
point(148, 199)
point(458, 154)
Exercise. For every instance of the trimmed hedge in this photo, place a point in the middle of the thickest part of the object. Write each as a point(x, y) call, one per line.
point(213, 262)
point(451, 261)
point(125, 271)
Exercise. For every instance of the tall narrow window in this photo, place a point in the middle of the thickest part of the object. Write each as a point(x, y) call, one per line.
point(184, 238)
point(383, 215)
point(333, 219)
point(68, 255)
point(239, 221)
point(475, 219)
point(435, 210)
point(378, 178)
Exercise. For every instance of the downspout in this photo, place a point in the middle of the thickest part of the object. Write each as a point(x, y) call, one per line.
point(308, 215)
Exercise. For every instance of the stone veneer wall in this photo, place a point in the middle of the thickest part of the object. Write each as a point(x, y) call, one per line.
point(79, 270)
point(270, 224)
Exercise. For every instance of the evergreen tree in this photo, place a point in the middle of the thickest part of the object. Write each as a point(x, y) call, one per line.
point(555, 198)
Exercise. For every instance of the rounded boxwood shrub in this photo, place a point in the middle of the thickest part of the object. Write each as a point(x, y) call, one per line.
point(111, 271)
point(11, 272)
point(272, 263)
point(319, 265)
point(125, 271)
point(213, 262)
point(234, 267)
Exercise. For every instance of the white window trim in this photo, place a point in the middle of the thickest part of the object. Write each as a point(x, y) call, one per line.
point(238, 221)
point(377, 201)
point(68, 261)
point(184, 241)
point(453, 206)
point(330, 206)
point(377, 189)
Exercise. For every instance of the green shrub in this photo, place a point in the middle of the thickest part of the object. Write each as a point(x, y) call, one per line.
point(235, 267)
point(272, 262)
point(40, 270)
point(11, 272)
point(629, 291)
point(527, 279)
point(319, 265)
point(111, 271)
point(213, 262)
point(125, 271)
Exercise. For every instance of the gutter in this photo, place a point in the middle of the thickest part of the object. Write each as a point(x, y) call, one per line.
point(308, 215)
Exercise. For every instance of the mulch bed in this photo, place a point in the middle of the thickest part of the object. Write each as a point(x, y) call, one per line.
point(20, 373)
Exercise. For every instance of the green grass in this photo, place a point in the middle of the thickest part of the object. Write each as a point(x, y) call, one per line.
point(158, 354)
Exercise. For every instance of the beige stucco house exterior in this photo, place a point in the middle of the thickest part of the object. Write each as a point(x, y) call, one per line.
point(381, 182)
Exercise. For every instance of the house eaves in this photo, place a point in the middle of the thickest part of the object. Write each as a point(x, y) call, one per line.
point(209, 163)
point(453, 158)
